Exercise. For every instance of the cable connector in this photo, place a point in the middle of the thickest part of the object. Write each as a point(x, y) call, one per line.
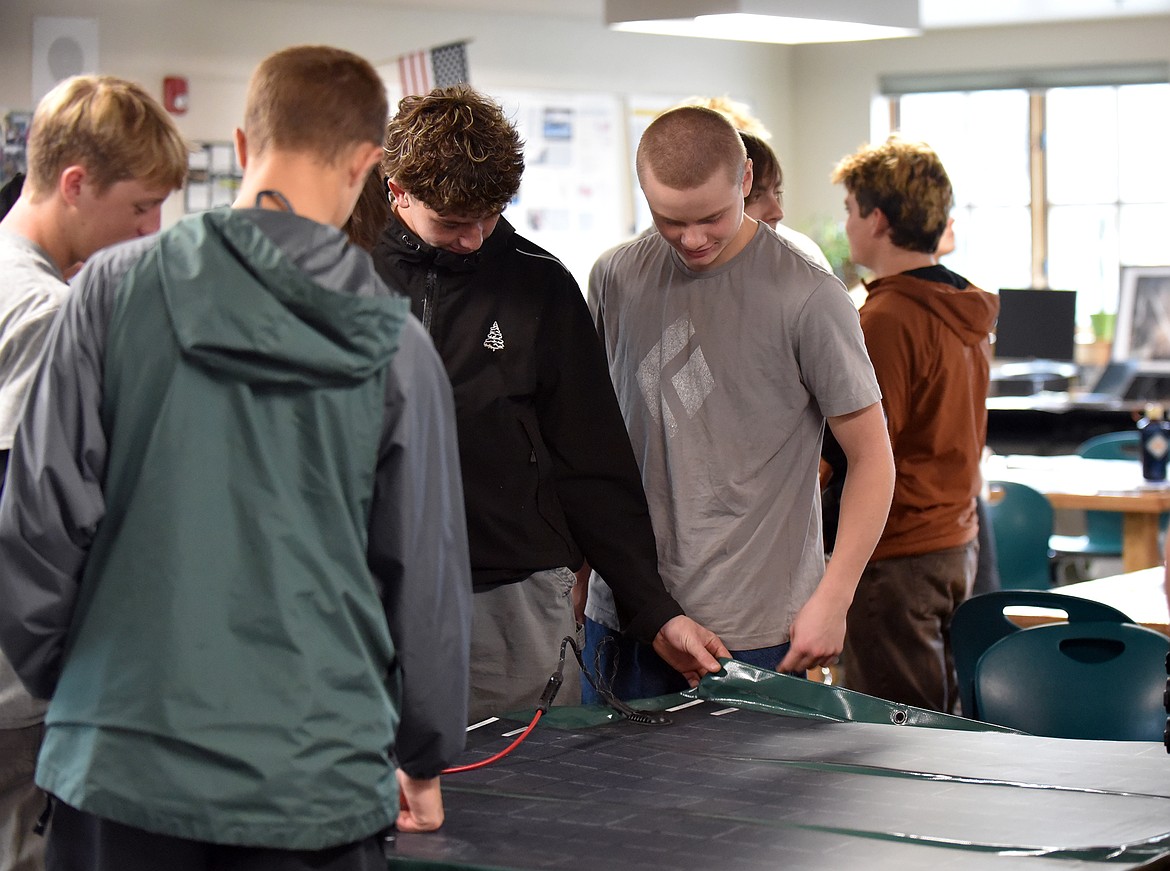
point(556, 679)
point(550, 691)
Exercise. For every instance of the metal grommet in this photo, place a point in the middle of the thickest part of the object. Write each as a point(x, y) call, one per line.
point(899, 717)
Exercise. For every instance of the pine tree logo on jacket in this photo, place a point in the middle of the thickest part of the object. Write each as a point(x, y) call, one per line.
point(495, 339)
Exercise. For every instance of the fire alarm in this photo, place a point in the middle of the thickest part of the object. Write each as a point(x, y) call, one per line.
point(175, 94)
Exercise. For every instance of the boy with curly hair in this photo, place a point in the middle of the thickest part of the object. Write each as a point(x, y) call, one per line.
point(926, 329)
point(548, 474)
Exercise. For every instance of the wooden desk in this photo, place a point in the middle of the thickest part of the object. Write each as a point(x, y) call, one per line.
point(1074, 482)
point(1139, 594)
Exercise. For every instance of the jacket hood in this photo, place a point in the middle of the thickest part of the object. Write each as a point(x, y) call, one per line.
point(240, 305)
point(969, 312)
point(405, 245)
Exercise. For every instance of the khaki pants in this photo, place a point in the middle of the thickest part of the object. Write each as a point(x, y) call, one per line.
point(516, 632)
point(21, 802)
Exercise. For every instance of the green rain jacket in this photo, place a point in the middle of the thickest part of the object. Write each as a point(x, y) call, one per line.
point(255, 532)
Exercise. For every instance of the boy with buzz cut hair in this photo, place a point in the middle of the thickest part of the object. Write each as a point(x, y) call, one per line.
point(926, 329)
point(103, 155)
point(548, 475)
point(728, 351)
point(246, 590)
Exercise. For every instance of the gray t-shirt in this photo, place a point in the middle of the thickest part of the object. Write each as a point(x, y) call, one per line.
point(31, 292)
point(725, 378)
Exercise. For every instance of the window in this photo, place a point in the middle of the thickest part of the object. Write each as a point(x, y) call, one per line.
point(1058, 186)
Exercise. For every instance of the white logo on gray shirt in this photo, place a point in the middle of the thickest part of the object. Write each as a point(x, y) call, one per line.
point(672, 380)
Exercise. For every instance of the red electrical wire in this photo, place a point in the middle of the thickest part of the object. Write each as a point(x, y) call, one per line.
point(474, 765)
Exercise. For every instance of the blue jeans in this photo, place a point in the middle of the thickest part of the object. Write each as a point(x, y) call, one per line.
point(632, 670)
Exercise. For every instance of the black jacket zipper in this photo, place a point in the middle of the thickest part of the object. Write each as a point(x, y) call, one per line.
point(428, 301)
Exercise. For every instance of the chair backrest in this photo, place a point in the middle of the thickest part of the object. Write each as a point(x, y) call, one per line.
point(980, 622)
point(1021, 520)
point(1097, 680)
point(1124, 445)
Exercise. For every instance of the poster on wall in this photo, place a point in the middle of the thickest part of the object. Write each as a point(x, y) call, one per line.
point(574, 200)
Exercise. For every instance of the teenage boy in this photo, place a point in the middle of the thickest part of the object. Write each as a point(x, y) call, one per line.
point(102, 157)
point(926, 329)
point(233, 551)
point(765, 201)
point(548, 474)
point(728, 351)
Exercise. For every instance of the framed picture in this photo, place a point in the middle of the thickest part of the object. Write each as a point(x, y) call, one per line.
point(1143, 316)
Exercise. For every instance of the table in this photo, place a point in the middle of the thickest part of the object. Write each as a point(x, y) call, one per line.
point(1140, 595)
point(726, 787)
point(1070, 481)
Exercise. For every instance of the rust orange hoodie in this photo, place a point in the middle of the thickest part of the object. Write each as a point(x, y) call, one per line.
point(927, 335)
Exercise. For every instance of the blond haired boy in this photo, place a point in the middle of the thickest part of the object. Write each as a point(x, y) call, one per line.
point(102, 157)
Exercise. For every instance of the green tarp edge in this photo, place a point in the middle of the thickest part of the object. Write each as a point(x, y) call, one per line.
point(744, 686)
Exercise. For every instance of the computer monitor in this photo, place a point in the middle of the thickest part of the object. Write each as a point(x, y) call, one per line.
point(1143, 317)
point(1036, 324)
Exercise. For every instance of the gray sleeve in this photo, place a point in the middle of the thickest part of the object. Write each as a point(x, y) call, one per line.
point(418, 552)
point(834, 362)
point(52, 500)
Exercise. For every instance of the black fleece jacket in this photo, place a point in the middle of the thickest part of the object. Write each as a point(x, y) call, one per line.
point(549, 476)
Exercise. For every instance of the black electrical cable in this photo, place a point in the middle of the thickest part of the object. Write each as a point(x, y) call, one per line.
point(647, 718)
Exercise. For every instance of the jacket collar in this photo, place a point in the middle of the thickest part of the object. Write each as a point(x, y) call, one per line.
point(409, 247)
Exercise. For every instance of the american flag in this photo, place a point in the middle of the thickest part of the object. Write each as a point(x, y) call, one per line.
point(420, 71)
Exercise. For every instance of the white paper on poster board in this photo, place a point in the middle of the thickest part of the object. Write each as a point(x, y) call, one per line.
point(574, 199)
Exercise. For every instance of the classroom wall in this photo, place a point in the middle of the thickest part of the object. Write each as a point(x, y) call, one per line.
point(815, 99)
point(216, 43)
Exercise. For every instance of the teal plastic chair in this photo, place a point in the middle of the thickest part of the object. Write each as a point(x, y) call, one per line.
point(1102, 528)
point(1021, 520)
point(980, 622)
point(1096, 680)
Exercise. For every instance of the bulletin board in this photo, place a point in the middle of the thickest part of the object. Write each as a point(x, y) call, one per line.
point(574, 199)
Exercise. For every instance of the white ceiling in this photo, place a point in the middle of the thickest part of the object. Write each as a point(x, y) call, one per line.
point(938, 14)
point(935, 14)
